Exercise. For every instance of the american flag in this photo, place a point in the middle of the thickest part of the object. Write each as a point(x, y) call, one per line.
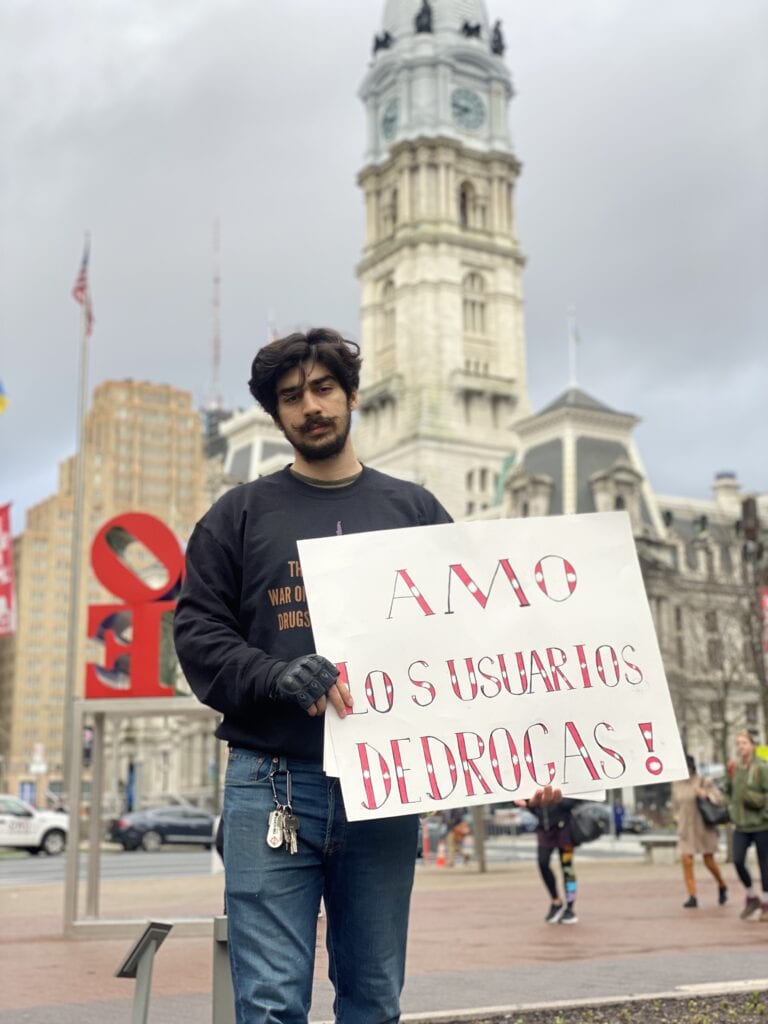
point(80, 292)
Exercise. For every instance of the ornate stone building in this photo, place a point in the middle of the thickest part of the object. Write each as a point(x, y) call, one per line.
point(444, 395)
point(578, 455)
point(444, 375)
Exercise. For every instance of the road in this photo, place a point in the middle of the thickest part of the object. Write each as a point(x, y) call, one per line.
point(21, 869)
point(192, 862)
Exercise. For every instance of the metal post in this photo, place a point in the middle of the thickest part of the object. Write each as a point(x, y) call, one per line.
point(71, 689)
point(73, 840)
point(478, 829)
point(140, 1008)
point(223, 993)
point(138, 964)
point(94, 841)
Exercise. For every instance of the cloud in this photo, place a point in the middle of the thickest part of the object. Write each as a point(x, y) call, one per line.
point(642, 131)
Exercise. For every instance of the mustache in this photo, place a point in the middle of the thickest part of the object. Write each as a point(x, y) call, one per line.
point(316, 421)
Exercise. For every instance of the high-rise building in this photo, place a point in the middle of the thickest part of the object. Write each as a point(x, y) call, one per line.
point(143, 452)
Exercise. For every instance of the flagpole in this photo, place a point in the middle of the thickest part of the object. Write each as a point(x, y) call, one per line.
point(75, 575)
point(71, 748)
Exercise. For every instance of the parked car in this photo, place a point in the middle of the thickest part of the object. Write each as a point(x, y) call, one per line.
point(152, 828)
point(508, 819)
point(502, 819)
point(25, 828)
point(636, 823)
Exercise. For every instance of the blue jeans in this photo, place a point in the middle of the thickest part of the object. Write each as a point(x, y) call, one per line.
point(364, 872)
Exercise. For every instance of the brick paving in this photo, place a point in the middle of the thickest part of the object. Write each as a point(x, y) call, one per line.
point(477, 943)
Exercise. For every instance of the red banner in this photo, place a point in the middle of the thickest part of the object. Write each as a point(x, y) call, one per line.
point(7, 595)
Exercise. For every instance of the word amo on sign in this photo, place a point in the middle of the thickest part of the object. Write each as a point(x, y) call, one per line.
point(553, 576)
point(477, 766)
point(489, 676)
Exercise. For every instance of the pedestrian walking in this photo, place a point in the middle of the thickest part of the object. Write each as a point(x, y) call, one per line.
point(747, 790)
point(618, 818)
point(693, 836)
point(244, 640)
point(457, 830)
point(553, 832)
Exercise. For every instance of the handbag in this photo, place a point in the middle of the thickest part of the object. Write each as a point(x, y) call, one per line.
point(586, 825)
point(712, 814)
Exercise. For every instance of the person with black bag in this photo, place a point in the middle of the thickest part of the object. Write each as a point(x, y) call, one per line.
point(693, 834)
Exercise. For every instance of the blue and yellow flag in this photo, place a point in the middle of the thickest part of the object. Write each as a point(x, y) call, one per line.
point(3, 398)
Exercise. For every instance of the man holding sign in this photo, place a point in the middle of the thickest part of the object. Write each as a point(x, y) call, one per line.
point(245, 642)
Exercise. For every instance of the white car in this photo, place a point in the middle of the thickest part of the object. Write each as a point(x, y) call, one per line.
point(25, 828)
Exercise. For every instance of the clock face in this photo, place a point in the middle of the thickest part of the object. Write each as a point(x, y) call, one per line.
point(390, 118)
point(467, 108)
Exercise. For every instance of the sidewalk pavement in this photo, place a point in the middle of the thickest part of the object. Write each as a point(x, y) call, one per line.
point(476, 942)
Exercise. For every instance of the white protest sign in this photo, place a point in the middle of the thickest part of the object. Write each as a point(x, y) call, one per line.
point(487, 659)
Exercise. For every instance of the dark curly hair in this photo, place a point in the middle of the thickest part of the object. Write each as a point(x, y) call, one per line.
point(319, 345)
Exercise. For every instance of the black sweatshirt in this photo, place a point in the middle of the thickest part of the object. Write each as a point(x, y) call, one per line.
point(242, 605)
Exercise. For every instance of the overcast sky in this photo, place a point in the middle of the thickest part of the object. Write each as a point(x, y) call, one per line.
point(642, 128)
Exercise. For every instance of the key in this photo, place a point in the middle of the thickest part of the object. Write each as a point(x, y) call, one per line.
point(291, 827)
point(276, 829)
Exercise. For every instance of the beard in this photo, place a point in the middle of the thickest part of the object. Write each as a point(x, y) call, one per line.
point(318, 451)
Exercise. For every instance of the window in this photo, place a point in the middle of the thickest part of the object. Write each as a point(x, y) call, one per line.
point(388, 310)
point(473, 304)
point(715, 653)
point(472, 209)
point(466, 203)
point(388, 211)
point(680, 651)
point(385, 326)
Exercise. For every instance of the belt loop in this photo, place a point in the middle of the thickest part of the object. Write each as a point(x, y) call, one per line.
point(283, 765)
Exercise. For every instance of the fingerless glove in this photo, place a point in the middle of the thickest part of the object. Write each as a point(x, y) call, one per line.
point(302, 681)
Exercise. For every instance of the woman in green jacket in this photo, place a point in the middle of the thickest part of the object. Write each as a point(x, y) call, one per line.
point(747, 791)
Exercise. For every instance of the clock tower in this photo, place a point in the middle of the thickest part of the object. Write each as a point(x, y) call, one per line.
point(442, 333)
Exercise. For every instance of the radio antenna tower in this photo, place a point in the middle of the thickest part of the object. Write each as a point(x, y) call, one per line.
point(215, 401)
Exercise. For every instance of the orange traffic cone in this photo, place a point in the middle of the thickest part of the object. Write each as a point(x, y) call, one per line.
point(440, 858)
